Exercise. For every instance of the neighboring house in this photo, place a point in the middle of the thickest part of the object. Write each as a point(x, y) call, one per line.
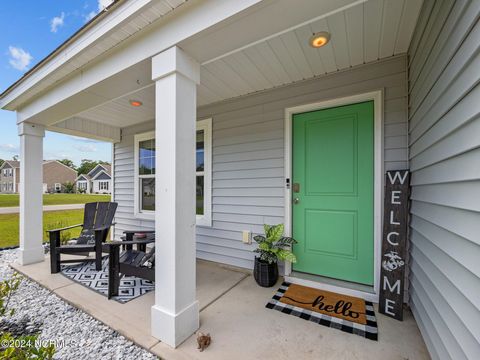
point(9, 177)
point(397, 87)
point(55, 175)
point(97, 181)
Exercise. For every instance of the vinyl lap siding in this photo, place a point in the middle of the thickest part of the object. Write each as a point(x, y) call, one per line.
point(248, 154)
point(123, 181)
point(444, 128)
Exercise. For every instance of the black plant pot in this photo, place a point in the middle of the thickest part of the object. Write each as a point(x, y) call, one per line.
point(265, 274)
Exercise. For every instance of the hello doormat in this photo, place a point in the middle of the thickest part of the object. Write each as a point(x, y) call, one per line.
point(85, 274)
point(342, 312)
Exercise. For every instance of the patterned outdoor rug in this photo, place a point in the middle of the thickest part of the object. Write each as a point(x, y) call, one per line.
point(345, 313)
point(85, 274)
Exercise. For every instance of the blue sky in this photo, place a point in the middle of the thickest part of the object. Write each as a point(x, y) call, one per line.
point(31, 29)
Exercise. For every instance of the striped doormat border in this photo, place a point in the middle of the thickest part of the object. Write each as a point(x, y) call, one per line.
point(369, 331)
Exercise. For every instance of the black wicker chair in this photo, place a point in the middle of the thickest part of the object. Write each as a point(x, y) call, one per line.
point(130, 262)
point(97, 220)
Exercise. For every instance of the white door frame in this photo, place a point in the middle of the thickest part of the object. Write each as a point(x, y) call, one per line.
point(377, 97)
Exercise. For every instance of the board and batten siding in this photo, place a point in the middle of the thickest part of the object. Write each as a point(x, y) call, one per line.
point(248, 154)
point(444, 143)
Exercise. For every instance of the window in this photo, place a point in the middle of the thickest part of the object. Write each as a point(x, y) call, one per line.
point(103, 185)
point(10, 172)
point(58, 187)
point(145, 173)
point(204, 172)
point(10, 187)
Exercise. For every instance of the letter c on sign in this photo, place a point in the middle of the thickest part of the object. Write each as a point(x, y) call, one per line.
point(389, 235)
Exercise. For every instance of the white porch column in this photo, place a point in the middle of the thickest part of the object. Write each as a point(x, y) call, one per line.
point(31, 190)
point(175, 315)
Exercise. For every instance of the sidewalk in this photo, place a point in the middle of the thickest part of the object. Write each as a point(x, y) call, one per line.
point(16, 209)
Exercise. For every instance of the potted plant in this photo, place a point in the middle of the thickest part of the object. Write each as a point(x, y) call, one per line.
point(272, 246)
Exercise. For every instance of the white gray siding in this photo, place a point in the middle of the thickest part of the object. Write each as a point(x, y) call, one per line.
point(444, 142)
point(248, 154)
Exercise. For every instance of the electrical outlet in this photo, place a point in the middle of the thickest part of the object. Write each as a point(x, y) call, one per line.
point(246, 237)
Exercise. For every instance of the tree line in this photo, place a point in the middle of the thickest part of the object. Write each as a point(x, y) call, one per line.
point(85, 166)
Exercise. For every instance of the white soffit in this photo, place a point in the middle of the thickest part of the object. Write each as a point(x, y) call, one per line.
point(364, 33)
point(373, 30)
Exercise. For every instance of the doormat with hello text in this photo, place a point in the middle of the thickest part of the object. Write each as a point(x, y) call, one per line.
point(342, 312)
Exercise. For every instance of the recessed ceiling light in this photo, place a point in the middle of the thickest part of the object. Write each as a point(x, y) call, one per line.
point(319, 39)
point(136, 103)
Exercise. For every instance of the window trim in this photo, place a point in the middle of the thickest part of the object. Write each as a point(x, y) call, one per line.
point(141, 214)
point(201, 220)
point(81, 185)
point(103, 185)
point(206, 218)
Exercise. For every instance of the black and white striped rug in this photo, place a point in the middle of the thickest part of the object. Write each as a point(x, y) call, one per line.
point(369, 330)
point(85, 274)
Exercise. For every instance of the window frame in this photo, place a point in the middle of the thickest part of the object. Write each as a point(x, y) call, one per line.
point(206, 218)
point(103, 185)
point(59, 187)
point(201, 220)
point(138, 213)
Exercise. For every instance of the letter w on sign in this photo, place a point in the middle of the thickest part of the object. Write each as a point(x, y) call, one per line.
point(395, 222)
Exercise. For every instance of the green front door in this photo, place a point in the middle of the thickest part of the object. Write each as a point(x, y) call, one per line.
point(332, 192)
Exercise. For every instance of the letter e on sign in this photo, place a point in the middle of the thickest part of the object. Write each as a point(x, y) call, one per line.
point(395, 222)
point(389, 306)
point(396, 197)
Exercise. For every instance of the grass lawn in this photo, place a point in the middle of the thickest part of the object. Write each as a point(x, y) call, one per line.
point(51, 220)
point(9, 200)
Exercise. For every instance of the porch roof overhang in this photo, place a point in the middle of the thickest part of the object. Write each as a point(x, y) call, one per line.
point(243, 47)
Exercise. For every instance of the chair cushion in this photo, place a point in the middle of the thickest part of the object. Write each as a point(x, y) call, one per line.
point(87, 237)
point(148, 259)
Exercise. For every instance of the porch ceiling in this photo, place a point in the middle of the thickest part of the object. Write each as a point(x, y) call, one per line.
point(364, 33)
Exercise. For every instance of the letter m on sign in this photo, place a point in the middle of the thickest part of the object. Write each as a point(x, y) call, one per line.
point(395, 222)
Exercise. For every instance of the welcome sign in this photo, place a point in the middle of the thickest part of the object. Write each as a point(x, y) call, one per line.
point(392, 276)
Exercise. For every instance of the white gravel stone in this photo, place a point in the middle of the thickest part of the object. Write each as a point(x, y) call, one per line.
point(83, 337)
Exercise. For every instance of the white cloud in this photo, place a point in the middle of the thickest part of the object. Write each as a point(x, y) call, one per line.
point(86, 148)
point(102, 4)
point(9, 148)
point(57, 22)
point(19, 58)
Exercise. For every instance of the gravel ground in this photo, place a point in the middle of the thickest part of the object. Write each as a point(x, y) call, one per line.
point(83, 336)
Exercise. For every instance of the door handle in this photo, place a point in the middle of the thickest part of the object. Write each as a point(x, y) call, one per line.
point(296, 200)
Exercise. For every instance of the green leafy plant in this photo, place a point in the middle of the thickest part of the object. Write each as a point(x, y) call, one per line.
point(20, 347)
point(24, 348)
point(68, 187)
point(273, 246)
point(64, 235)
point(7, 287)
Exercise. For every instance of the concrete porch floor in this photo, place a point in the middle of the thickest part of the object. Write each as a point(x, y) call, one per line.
point(233, 312)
